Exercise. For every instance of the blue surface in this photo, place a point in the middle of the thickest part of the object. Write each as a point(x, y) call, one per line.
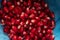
point(2, 35)
point(54, 6)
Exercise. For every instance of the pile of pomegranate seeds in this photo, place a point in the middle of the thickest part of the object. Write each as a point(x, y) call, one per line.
point(27, 20)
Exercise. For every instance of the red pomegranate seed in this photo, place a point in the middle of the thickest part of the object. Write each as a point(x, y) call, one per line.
point(6, 9)
point(49, 31)
point(43, 38)
point(14, 37)
point(40, 35)
point(4, 2)
point(27, 20)
point(20, 38)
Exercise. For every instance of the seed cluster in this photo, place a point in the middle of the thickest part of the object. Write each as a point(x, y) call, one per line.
point(27, 20)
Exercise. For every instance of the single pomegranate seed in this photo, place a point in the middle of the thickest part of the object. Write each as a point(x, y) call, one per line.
point(20, 38)
point(5, 9)
point(14, 37)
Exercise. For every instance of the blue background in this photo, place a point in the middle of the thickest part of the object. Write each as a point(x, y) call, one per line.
point(54, 6)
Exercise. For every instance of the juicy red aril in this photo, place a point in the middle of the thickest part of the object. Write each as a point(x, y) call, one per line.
point(6, 29)
point(19, 38)
point(40, 35)
point(14, 37)
point(4, 2)
point(49, 31)
point(31, 16)
point(42, 14)
point(14, 28)
point(27, 20)
point(11, 7)
point(5, 9)
point(43, 38)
